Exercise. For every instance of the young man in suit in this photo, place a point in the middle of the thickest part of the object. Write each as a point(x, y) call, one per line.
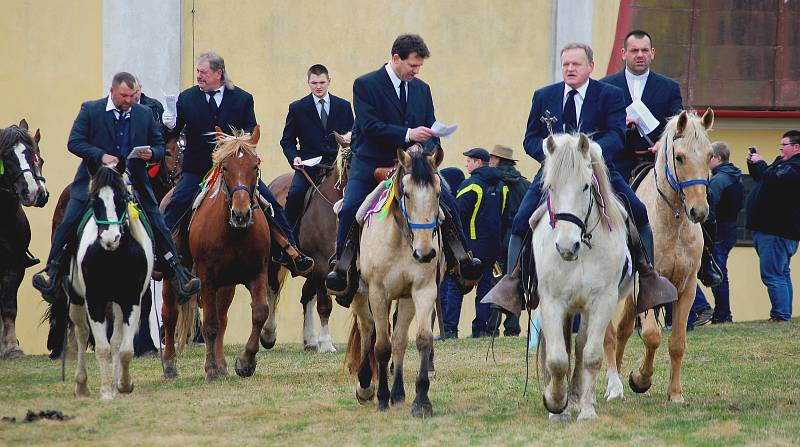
point(216, 101)
point(311, 122)
point(662, 96)
point(105, 131)
point(393, 110)
point(581, 104)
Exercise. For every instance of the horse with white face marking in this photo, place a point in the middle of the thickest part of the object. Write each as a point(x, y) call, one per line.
point(112, 267)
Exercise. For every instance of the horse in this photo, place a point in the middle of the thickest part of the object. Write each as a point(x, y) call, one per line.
point(21, 184)
point(229, 243)
point(111, 268)
point(400, 257)
point(316, 236)
point(580, 251)
point(674, 193)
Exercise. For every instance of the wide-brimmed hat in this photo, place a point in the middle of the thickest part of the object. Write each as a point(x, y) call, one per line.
point(503, 152)
point(479, 153)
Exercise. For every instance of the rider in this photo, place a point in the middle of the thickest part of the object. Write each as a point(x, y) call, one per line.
point(104, 131)
point(581, 104)
point(312, 120)
point(393, 109)
point(215, 101)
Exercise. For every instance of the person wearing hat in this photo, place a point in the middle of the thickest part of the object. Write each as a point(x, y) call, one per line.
point(481, 204)
point(502, 158)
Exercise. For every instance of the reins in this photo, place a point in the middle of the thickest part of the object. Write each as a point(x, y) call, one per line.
point(314, 185)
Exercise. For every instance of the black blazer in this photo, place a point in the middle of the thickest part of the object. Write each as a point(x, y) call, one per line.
point(380, 127)
point(92, 136)
point(304, 125)
point(194, 114)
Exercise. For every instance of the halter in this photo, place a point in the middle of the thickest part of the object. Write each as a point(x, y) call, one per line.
point(432, 225)
point(673, 182)
point(239, 187)
point(36, 161)
point(121, 221)
point(586, 235)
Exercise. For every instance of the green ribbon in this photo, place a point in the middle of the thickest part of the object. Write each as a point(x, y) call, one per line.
point(2, 167)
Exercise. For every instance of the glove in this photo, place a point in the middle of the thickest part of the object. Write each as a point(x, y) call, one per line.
point(169, 119)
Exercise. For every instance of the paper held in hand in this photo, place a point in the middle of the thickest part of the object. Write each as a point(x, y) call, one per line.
point(172, 103)
point(138, 151)
point(443, 130)
point(311, 161)
point(645, 120)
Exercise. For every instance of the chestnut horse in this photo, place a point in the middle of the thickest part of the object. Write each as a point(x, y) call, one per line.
point(675, 195)
point(229, 244)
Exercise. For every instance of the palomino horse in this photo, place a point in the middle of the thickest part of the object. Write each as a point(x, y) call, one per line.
point(399, 260)
point(21, 184)
point(316, 237)
point(580, 251)
point(229, 244)
point(112, 266)
point(675, 195)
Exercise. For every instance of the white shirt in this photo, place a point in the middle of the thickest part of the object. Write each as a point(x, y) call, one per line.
point(396, 83)
point(110, 106)
point(636, 83)
point(319, 106)
point(218, 96)
point(579, 97)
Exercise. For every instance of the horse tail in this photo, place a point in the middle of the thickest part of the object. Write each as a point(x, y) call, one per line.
point(185, 329)
point(352, 359)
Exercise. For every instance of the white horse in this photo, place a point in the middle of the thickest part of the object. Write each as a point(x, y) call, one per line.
point(580, 252)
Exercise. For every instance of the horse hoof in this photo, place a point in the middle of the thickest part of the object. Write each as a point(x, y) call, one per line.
point(431, 375)
point(587, 415)
point(214, 374)
point(170, 370)
point(310, 347)
point(364, 395)
point(125, 389)
point(421, 409)
point(81, 390)
point(676, 399)
point(635, 386)
point(267, 342)
point(13, 353)
point(553, 409)
point(383, 406)
point(244, 368)
point(561, 417)
point(325, 347)
point(398, 399)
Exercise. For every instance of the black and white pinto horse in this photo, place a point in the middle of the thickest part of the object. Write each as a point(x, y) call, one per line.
point(111, 267)
point(21, 184)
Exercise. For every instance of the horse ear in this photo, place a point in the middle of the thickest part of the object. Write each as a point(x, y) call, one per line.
point(583, 144)
point(438, 156)
point(683, 119)
point(37, 136)
point(342, 140)
point(23, 124)
point(403, 158)
point(550, 144)
point(708, 118)
point(256, 135)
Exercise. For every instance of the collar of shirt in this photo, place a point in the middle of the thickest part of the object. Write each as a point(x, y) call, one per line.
point(327, 99)
point(395, 80)
point(218, 97)
point(110, 106)
point(636, 83)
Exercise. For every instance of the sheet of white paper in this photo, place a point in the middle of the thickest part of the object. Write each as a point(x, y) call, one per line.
point(135, 152)
point(311, 161)
point(172, 103)
point(645, 120)
point(443, 130)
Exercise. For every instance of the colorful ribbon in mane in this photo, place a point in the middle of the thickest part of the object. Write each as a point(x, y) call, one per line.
point(383, 203)
point(210, 178)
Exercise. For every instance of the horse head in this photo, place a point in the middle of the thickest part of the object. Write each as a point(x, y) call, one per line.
point(21, 165)
point(418, 191)
point(109, 202)
point(682, 161)
point(240, 172)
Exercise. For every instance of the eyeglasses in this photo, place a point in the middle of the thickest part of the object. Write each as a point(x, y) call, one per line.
point(782, 145)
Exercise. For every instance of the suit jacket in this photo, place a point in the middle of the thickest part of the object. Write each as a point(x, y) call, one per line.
point(194, 114)
point(155, 107)
point(602, 118)
point(303, 124)
point(380, 126)
point(92, 136)
point(662, 96)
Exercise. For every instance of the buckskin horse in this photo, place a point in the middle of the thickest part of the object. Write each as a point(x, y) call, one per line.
point(675, 195)
point(21, 184)
point(399, 260)
point(228, 242)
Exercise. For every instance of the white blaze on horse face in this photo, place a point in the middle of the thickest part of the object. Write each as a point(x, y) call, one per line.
point(19, 149)
point(110, 237)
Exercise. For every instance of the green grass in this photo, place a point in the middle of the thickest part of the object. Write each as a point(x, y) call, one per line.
point(740, 381)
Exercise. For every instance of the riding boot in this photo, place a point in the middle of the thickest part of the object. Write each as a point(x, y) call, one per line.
point(29, 260)
point(654, 289)
point(180, 278)
point(289, 255)
point(342, 281)
point(508, 294)
point(48, 279)
point(466, 269)
point(709, 274)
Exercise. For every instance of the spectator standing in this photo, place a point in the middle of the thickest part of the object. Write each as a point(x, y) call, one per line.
point(449, 291)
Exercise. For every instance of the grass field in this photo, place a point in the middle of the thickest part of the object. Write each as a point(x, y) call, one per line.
point(741, 383)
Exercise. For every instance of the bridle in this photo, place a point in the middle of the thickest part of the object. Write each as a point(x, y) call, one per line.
point(673, 181)
point(229, 192)
point(583, 224)
point(432, 225)
point(8, 187)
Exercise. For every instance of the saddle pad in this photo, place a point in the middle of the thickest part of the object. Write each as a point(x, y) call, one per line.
point(370, 203)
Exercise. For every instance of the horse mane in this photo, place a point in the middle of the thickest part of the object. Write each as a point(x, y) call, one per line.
point(693, 136)
point(600, 170)
point(10, 136)
point(106, 176)
point(422, 171)
point(230, 144)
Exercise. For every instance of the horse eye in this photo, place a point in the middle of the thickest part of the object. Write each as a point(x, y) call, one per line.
point(585, 187)
point(679, 158)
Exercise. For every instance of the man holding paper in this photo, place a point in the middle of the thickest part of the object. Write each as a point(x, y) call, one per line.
point(311, 122)
point(393, 110)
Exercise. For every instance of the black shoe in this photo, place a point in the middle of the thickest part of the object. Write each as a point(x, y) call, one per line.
point(298, 266)
point(46, 281)
point(704, 317)
point(471, 269)
point(709, 274)
point(185, 285)
point(30, 260)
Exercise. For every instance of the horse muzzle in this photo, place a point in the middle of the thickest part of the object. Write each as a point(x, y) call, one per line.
point(570, 251)
point(109, 239)
point(697, 214)
point(425, 258)
point(241, 220)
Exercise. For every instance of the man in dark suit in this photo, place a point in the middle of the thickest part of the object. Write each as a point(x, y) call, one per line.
point(311, 121)
point(394, 110)
point(216, 101)
point(105, 131)
point(662, 96)
point(581, 104)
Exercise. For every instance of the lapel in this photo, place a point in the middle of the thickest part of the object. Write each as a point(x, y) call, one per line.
point(311, 110)
point(592, 92)
point(389, 89)
point(135, 118)
point(623, 84)
point(650, 87)
point(108, 118)
point(224, 106)
point(555, 105)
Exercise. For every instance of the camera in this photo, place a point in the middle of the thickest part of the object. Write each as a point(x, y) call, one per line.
point(752, 149)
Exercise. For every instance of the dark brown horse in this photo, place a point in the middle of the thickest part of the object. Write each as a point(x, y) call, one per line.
point(316, 236)
point(229, 244)
point(21, 184)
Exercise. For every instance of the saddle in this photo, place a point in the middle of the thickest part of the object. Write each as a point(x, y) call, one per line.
point(639, 173)
point(383, 174)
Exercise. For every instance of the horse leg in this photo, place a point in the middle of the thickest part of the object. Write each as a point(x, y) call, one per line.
point(224, 300)
point(210, 331)
point(677, 339)
point(595, 324)
point(614, 388)
point(125, 385)
point(624, 329)
point(405, 313)
point(169, 316)
point(308, 300)
point(576, 385)
point(324, 309)
point(246, 363)
point(269, 334)
point(640, 380)
point(365, 389)
point(116, 341)
point(556, 357)
point(80, 323)
point(424, 300)
point(383, 346)
point(102, 352)
point(9, 345)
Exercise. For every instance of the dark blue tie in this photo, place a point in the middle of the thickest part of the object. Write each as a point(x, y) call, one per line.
point(403, 97)
point(323, 115)
point(570, 117)
point(212, 104)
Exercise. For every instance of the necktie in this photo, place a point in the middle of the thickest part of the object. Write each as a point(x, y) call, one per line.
point(323, 115)
point(212, 104)
point(120, 114)
point(570, 117)
point(403, 97)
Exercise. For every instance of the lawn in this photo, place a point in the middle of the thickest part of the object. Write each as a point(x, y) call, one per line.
point(740, 380)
